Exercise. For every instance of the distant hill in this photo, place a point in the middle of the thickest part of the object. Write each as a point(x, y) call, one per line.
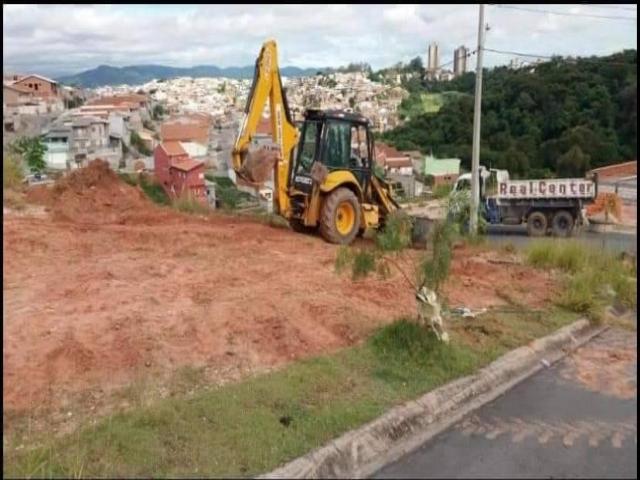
point(137, 74)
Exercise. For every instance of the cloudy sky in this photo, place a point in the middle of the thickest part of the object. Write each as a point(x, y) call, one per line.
point(58, 39)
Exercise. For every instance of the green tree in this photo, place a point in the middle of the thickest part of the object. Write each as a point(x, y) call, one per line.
point(32, 150)
point(573, 163)
point(34, 156)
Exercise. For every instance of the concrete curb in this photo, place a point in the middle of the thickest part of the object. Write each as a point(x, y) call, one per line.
point(361, 452)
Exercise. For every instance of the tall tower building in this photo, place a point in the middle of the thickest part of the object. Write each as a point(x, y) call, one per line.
point(433, 57)
point(460, 60)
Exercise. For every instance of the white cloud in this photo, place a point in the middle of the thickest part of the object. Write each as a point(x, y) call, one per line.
point(53, 39)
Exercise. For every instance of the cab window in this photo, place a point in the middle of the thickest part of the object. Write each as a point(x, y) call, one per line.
point(338, 150)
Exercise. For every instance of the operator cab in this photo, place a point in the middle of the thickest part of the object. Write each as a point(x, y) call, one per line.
point(336, 140)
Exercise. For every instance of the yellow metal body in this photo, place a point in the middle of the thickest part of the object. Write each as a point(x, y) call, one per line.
point(267, 86)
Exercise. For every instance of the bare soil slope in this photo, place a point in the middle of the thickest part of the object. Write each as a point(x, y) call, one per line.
point(108, 286)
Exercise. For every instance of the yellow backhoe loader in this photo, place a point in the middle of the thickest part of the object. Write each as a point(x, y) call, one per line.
point(328, 182)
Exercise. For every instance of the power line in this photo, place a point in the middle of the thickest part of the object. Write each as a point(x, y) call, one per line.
point(535, 10)
point(532, 55)
point(599, 5)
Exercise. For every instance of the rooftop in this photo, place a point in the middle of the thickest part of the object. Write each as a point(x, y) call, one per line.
point(187, 165)
point(441, 166)
point(173, 148)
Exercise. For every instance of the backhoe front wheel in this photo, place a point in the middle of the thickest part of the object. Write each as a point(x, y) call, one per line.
point(340, 217)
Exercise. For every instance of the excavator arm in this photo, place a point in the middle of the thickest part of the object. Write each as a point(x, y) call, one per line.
point(267, 86)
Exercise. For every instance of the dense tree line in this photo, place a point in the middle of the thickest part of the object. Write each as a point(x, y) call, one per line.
point(560, 117)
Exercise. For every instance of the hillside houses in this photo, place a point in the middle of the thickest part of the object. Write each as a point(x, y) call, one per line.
point(72, 141)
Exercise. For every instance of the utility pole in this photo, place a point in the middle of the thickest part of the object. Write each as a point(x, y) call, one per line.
point(475, 154)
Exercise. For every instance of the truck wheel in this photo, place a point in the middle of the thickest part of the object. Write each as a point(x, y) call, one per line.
point(340, 217)
point(537, 224)
point(562, 223)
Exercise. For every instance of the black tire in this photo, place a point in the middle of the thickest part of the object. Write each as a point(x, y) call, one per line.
point(340, 198)
point(297, 226)
point(562, 224)
point(537, 224)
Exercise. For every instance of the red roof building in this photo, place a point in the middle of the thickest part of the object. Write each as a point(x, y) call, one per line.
point(187, 178)
point(165, 155)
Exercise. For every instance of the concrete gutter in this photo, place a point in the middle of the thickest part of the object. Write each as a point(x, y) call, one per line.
point(361, 452)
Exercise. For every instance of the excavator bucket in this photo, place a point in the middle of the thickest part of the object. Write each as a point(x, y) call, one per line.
point(258, 166)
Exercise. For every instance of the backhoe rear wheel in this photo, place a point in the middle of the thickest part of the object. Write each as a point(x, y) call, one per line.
point(340, 217)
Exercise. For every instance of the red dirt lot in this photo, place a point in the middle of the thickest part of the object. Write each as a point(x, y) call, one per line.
point(107, 285)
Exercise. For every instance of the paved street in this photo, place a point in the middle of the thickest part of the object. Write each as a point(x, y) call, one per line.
point(575, 419)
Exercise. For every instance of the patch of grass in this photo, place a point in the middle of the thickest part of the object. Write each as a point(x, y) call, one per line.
point(150, 187)
point(221, 181)
point(189, 204)
point(568, 256)
point(594, 278)
point(250, 427)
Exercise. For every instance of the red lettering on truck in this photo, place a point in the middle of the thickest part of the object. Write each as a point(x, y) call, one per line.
point(552, 189)
point(513, 190)
point(581, 188)
point(542, 186)
point(573, 187)
point(503, 188)
point(562, 189)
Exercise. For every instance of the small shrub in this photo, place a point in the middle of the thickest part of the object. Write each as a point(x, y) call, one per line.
point(434, 269)
point(396, 234)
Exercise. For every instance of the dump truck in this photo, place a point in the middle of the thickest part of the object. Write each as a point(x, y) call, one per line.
point(547, 206)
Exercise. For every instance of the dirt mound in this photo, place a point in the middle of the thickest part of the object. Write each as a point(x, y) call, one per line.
point(96, 195)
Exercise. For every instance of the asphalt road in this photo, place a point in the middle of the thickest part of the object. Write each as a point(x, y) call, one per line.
point(576, 419)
